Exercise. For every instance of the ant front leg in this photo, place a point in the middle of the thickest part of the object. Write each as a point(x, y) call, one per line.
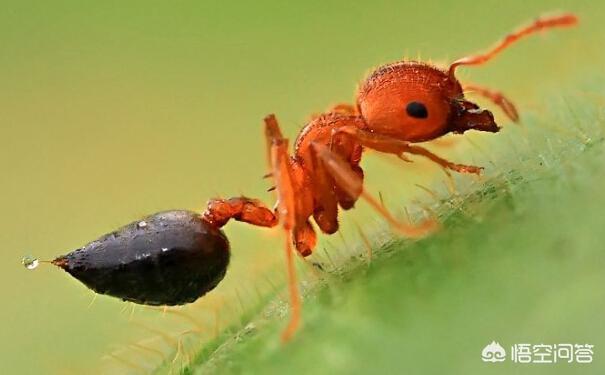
point(346, 179)
point(399, 148)
point(497, 98)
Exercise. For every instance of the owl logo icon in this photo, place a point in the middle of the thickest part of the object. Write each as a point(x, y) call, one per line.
point(493, 352)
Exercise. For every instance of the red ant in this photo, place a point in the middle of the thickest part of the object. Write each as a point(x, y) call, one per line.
point(175, 257)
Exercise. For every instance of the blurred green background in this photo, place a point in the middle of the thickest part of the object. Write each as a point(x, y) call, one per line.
point(113, 110)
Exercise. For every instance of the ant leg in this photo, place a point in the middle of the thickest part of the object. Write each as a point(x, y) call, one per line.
point(344, 200)
point(305, 238)
point(340, 108)
point(325, 211)
point(562, 20)
point(272, 134)
point(281, 172)
point(295, 301)
point(497, 98)
point(328, 196)
point(397, 147)
point(286, 205)
point(346, 179)
point(344, 108)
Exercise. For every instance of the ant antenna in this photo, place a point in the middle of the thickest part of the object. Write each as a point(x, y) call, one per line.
point(562, 20)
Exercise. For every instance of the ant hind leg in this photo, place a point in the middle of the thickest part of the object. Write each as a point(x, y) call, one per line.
point(281, 171)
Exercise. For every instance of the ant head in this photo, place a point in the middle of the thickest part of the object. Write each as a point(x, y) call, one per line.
point(417, 102)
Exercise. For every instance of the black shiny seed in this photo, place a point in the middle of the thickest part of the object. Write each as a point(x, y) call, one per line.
point(170, 258)
point(417, 110)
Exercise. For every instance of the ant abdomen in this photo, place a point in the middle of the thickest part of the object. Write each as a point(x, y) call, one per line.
point(169, 258)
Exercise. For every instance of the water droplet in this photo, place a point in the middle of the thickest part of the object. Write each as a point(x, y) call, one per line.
point(30, 262)
point(142, 224)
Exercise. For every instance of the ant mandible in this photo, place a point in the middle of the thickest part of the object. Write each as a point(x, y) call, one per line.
point(175, 257)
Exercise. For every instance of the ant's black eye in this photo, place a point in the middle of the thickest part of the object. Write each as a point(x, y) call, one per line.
point(417, 110)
